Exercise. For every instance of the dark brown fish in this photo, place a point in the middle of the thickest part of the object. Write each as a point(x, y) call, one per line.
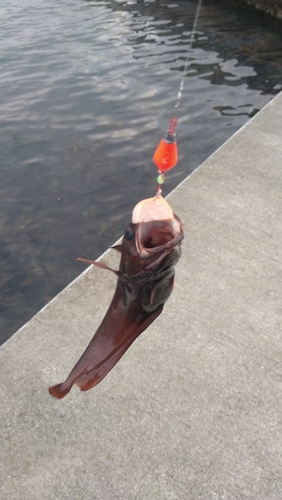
point(149, 252)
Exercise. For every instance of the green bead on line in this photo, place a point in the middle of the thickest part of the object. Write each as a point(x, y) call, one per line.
point(160, 179)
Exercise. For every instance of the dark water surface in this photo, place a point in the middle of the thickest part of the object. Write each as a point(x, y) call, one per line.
point(88, 89)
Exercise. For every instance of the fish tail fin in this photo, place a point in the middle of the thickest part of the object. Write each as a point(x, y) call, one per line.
point(99, 357)
point(58, 392)
point(94, 377)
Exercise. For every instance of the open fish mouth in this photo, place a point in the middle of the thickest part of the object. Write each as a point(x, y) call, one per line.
point(158, 228)
point(152, 237)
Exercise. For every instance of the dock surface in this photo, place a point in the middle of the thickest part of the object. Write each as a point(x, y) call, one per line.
point(193, 410)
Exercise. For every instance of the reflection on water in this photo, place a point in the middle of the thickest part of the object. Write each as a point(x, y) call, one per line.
point(89, 89)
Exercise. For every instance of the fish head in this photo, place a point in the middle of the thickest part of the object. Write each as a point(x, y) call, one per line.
point(154, 234)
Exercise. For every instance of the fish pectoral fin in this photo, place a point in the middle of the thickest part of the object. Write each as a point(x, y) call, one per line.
point(117, 247)
point(100, 264)
point(104, 266)
point(86, 260)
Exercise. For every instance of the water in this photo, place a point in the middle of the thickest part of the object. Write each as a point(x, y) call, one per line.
point(88, 89)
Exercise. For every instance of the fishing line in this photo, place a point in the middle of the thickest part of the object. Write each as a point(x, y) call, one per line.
point(166, 154)
point(188, 58)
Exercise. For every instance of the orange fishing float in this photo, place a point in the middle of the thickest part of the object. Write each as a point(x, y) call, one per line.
point(166, 155)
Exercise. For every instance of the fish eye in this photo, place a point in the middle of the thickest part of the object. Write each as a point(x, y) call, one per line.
point(128, 235)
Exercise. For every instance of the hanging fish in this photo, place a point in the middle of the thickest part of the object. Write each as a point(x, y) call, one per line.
point(150, 249)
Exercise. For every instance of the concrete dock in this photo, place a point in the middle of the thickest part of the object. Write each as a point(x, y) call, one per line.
point(194, 408)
